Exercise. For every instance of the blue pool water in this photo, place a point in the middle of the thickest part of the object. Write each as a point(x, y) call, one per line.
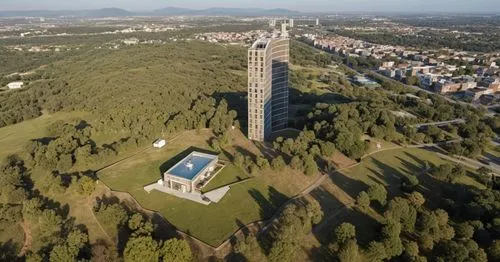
point(199, 163)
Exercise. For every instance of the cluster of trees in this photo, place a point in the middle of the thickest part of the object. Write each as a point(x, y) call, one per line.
point(139, 99)
point(141, 245)
point(362, 62)
point(205, 112)
point(475, 43)
point(412, 232)
point(53, 236)
point(345, 124)
point(282, 241)
point(476, 136)
point(70, 144)
point(17, 106)
point(449, 173)
point(303, 151)
point(303, 55)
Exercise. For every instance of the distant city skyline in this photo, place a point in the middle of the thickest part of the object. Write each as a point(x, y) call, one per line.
point(332, 6)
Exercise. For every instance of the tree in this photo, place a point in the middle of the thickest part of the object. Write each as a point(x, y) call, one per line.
point(86, 186)
point(278, 163)
point(282, 250)
point(443, 171)
point(349, 252)
point(262, 163)
point(111, 216)
point(311, 168)
point(296, 163)
point(65, 162)
point(464, 231)
point(411, 250)
point(401, 210)
point(416, 199)
point(69, 250)
point(376, 251)
point(139, 249)
point(327, 148)
point(62, 253)
point(239, 160)
point(377, 193)
point(176, 250)
point(249, 247)
point(494, 250)
point(363, 200)
point(409, 183)
point(345, 232)
point(451, 251)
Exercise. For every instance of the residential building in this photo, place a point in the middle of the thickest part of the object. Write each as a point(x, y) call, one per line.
point(268, 85)
point(446, 86)
point(477, 92)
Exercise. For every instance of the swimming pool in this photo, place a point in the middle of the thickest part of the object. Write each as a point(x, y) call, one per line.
point(189, 167)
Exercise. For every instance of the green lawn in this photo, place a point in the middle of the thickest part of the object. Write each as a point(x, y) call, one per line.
point(14, 137)
point(386, 168)
point(244, 203)
point(230, 174)
point(11, 234)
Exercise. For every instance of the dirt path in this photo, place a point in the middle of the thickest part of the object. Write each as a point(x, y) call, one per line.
point(89, 206)
point(27, 238)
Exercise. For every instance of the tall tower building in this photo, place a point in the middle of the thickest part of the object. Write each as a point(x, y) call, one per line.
point(268, 85)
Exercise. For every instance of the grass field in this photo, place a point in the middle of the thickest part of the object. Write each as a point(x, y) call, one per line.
point(246, 202)
point(230, 174)
point(14, 137)
point(386, 168)
point(11, 234)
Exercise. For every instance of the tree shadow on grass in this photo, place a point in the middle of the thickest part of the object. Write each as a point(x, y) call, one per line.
point(9, 250)
point(350, 186)
point(335, 213)
point(421, 162)
point(268, 205)
point(245, 152)
point(390, 174)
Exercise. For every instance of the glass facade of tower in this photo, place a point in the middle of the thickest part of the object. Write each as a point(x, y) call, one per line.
point(267, 87)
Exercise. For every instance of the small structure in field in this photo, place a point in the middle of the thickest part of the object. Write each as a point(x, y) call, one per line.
point(15, 85)
point(187, 178)
point(190, 173)
point(159, 143)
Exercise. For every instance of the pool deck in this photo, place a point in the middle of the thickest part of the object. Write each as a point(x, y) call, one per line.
point(196, 197)
point(213, 196)
point(217, 194)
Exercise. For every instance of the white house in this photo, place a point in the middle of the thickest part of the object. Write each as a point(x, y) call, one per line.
point(15, 85)
point(159, 143)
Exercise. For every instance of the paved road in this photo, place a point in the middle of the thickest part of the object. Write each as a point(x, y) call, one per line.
point(458, 121)
point(490, 112)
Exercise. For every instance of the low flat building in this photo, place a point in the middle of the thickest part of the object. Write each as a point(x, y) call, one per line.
point(191, 173)
point(15, 85)
point(476, 93)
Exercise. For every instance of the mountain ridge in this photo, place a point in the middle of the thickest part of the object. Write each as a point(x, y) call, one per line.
point(167, 11)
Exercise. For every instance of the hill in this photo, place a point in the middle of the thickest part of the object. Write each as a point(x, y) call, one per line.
point(155, 82)
point(104, 12)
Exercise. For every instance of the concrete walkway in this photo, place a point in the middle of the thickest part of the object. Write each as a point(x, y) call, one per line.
point(217, 194)
point(195, 196)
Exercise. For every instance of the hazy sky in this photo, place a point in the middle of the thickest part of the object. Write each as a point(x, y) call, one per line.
point(299, 5)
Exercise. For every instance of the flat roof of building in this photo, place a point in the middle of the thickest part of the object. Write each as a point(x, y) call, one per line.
point(260, 43)
point(191, 166)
